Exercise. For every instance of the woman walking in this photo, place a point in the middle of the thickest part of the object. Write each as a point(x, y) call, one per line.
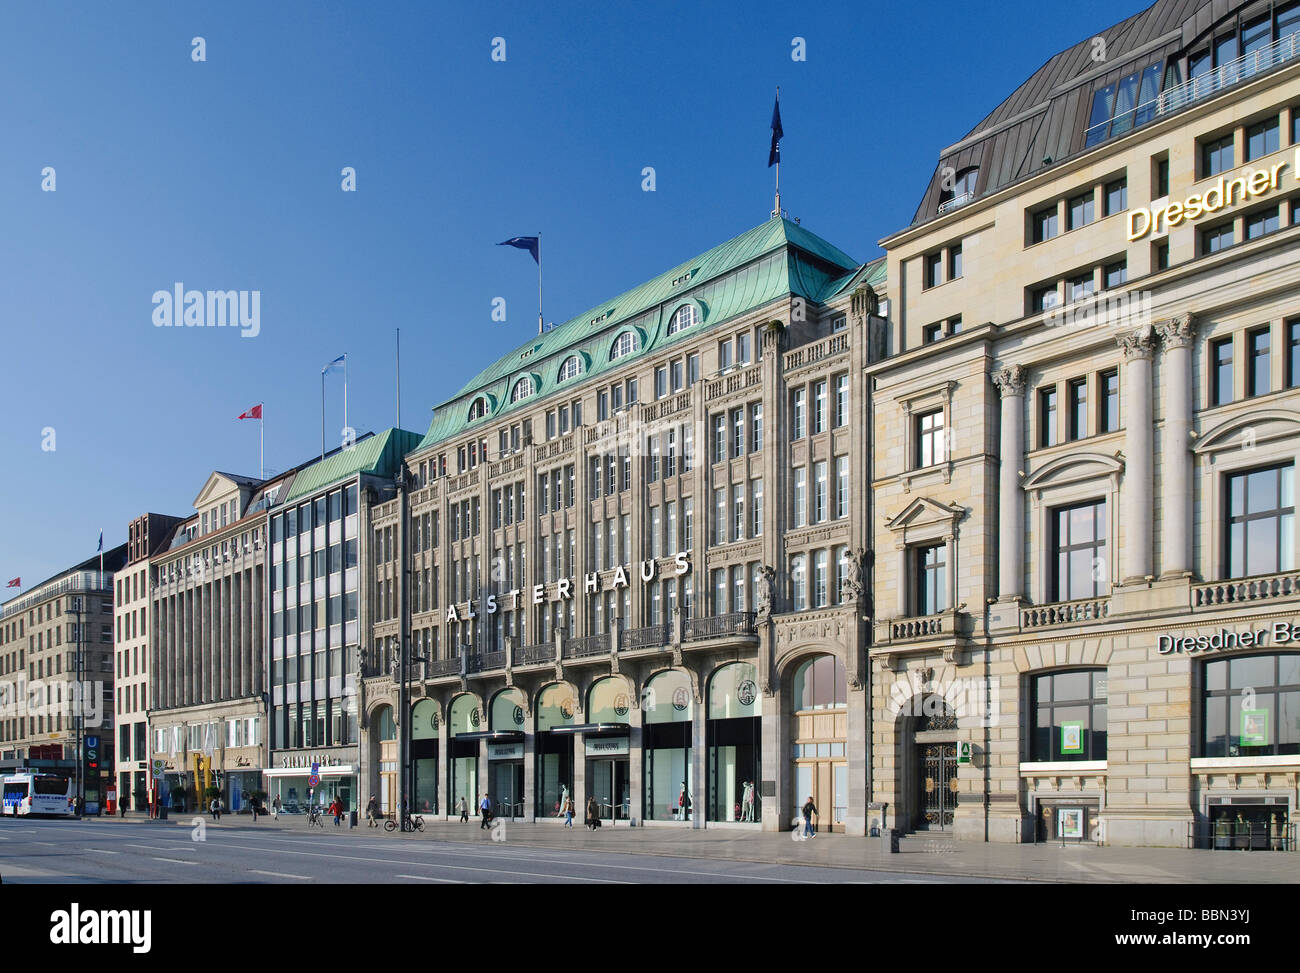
point(568, 812)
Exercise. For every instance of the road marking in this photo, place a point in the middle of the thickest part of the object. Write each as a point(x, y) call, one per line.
point(49, 844)
point(429, 878)
point(174, 861)
point(103, 851)
point(305, 878)
point(156, 847)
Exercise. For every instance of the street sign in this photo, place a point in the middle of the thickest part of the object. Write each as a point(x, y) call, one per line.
point(313, 781)
point(963, 752)
point(159, 766)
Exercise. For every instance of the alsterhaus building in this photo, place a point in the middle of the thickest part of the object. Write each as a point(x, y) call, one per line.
point(634, 558)
point(1086, 439)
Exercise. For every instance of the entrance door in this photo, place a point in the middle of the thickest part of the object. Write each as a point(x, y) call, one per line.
point(507, 781)
point(607, 782)
point(827, 783)
point(937, 786)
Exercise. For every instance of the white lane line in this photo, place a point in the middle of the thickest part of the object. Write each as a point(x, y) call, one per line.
point(48, 844)
point(103, 851)
point(398, 861)
point(429, 878)
point(174, 861)
point(305, 878)
point(159, 847)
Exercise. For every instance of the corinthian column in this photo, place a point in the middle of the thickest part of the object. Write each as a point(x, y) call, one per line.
point(1010, 382)
point(1139, 455)
point(1176, 469)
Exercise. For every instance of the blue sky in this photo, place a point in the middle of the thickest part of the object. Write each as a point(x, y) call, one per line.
point(226, 175)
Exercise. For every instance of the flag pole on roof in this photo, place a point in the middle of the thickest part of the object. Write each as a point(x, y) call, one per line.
point(533, 244)
point(774, 153)
point(256, 413)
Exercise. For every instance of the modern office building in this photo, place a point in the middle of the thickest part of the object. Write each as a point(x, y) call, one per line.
point(634, 552)
point(56, 672)
point(1086, 439)
point(207, 665)
point(320, 564)
point(147, 535)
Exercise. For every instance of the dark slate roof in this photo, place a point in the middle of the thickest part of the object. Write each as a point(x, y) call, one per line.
point(1046, 117)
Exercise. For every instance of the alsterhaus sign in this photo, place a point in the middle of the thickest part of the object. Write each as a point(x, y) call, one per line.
point(647, 572)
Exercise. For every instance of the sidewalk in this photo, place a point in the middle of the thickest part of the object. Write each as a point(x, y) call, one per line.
point(918, 854)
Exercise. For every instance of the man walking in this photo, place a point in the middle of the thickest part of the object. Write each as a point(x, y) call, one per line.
point(809, 810)
point(485, 812)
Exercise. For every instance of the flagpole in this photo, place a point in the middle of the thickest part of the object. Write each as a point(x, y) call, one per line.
point(345, 392)
point(322, 411)
point(261, 433)
point(399, 378)
point(539, 283)
point(777, 211)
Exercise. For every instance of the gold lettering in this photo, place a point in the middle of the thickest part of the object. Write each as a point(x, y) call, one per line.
point(1239, 181)
point(1193, 207)
point(1173, 214)
point(1133, 216)
point(1259, 181)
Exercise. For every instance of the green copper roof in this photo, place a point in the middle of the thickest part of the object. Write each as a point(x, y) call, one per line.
point(773, 260)
point(379, 455)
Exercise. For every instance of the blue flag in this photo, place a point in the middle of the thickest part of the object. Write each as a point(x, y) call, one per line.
point(101, 541)
point(774, 153)
point(336, 363)
point(528, 243)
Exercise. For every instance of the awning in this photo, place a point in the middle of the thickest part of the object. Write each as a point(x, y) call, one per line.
point(612, 729)
point(334, 770)
point(492, 736)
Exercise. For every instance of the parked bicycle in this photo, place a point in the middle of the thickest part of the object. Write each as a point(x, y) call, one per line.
point(316, 816)
point(413, 823)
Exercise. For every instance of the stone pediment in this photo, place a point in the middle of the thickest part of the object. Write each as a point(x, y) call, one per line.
point(1253, 428)
point(1074, 468)
point(220, 488)
point(925, 512)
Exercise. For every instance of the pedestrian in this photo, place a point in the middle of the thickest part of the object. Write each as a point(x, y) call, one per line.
point(593, 814)
point(214, 809)
point(485, 812)
point(568, 812)
point(372, 812)
point(253, 806)
point(337, 807)
point(275, 807)
point(683, 803)
point(464, 810)
point(809, 810)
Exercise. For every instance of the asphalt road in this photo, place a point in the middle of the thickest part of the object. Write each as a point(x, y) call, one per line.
point(75, 852)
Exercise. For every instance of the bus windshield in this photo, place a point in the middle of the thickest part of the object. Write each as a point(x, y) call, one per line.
point(50, 785)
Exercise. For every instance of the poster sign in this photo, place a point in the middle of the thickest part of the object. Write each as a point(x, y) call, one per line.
point(1254, 728)
point(1069, 822)
point(1072, 737)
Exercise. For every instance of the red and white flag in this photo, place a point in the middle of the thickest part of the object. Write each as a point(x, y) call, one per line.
point(254, 413)
point(15, 583)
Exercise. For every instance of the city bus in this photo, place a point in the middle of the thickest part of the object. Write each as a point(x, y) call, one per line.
point(35, 793)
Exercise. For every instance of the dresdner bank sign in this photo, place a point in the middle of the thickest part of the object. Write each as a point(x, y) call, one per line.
point(1157, 220)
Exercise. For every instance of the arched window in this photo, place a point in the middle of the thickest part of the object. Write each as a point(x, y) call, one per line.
point(686, 316)
point(507, 711)
point(962, 191)
point(386, 724)
point(609, 701)
point(464, 716)
point(819, 683)
point(477, 409)
point(571, 368)
point(523, 388)
point(624, 344)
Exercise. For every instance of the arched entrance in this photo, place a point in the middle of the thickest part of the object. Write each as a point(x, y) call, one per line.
point(927, 788)
point(385, 732)
point(506, 752)
point(424, 756)
point(462, 755)
point(556, 706)
point(666, 737)
point(734, 739)
point(819, 732)
point(609, 704)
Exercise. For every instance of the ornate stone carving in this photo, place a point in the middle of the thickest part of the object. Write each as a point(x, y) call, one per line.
point(1177, 332)
point(1010, 380)
point(1139, 344)
point(766, 587)
point(851, 589)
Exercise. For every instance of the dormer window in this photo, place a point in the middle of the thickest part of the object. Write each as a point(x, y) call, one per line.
point(523, 389)
point(624, 344)
point(686, 316)
point(962, 191)
point(477, 409)
point(571, 368)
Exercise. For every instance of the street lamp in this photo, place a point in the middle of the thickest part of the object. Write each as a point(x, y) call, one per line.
point(78, 711)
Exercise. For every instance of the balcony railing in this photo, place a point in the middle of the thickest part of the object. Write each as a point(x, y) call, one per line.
point(486, 661)
point(649, 637)
point(816, 351)
point(960, 200)
point(1236, 591)
point(1064, 613)
point(1180, 96)
point(718, 626)
point(88, 581)
point(531, 655)
point(442, 667)
point(587, 646)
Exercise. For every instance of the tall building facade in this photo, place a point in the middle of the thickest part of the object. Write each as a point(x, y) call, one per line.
point(207, 665)
point(1085, 455)
point(627, 561)
point(56, 653)
point(133, 595)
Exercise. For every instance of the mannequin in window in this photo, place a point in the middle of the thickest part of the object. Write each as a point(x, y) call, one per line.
point(747, 801)
point(683, 803)
point(564, 798)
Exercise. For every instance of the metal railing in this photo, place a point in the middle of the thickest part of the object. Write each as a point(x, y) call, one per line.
point(534, 654)
point(442, 667)
point(649, 637)
point(956, 201)
point(1241, 836)
point(717, 626)
point(485, 661)
point(1064, 613)
point(1233, 591)
point(1187, 93)
point(587, 646)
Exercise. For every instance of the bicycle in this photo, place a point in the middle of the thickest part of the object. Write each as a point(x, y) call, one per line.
point(413, 823)
point(315, 818)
